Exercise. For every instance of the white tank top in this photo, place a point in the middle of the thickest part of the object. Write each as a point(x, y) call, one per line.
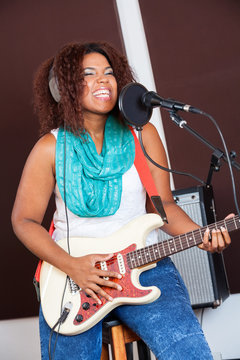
point(133, 204)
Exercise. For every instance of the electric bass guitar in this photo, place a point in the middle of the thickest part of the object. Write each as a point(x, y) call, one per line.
point(130, 258)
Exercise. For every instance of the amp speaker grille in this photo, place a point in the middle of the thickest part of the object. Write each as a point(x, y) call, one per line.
point(203, 273)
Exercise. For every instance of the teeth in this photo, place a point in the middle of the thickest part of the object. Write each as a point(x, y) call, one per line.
point(101, 92)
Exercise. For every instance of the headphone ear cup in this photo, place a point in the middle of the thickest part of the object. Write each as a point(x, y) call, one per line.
point(53, 86)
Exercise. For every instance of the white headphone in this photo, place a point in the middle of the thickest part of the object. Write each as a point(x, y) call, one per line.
point(53, 86)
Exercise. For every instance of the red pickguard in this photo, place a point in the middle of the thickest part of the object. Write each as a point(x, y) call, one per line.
point(128, 289)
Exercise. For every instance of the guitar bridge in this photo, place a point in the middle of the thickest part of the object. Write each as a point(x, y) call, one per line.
point(74, 288)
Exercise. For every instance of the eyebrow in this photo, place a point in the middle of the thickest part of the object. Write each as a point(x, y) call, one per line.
point(94, 68)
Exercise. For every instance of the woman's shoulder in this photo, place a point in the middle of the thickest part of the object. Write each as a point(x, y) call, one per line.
point(45, 147)
point(150, 134)
point(149, 128)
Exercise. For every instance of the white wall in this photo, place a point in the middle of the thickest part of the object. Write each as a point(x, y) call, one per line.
point(19, 339)
point(221, 327)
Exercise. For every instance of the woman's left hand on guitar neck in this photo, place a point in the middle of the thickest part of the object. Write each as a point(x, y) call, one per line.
point(217, 241)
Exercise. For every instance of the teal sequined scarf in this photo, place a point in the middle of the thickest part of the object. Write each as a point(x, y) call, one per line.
point(93, 182)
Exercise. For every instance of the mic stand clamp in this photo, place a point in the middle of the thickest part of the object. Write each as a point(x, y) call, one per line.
point(214, 165)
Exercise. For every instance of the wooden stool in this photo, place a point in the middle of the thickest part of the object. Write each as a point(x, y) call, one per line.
point(120, 337)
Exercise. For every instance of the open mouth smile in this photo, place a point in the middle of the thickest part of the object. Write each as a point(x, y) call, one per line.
point(102, 93)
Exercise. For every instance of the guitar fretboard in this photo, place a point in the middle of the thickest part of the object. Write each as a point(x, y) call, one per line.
point(156, 252)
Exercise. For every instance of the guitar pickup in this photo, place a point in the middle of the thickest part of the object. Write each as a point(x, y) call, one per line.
point(103, 266)
point(74, 288)
point(121, 264)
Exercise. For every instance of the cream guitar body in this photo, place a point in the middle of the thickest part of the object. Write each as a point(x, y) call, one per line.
point(84, 312)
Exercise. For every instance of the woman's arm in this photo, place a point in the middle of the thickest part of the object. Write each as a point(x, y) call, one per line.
point(178, 221)
point(34, 191)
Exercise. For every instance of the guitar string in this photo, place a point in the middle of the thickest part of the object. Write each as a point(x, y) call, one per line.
point(181, 242)
point(173, 245)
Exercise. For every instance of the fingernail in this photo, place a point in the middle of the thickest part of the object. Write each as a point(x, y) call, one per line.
point(110, 298)
point(119, 288)
point(119, 276)
point(214, 230)
point(223, 228)
point(99, 302)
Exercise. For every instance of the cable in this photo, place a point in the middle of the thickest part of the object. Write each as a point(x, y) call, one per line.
point(201, 317)
point(60, 321)
point(193, 176)
point(228, 161)
point(63, 316)
point(162, 167)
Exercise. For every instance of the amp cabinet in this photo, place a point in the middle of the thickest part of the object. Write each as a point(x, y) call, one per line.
point(203, 273)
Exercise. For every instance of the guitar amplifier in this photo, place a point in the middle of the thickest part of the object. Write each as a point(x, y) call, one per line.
point(203, 273)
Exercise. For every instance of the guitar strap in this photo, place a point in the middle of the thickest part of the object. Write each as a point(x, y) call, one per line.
point(145, 175)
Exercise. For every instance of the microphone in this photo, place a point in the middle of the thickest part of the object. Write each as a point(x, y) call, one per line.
point(152, 99)
point(136, 103)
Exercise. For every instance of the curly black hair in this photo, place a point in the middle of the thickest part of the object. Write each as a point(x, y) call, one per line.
point(67, 68)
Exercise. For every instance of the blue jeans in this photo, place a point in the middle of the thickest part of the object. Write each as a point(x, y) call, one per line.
point(168, 325)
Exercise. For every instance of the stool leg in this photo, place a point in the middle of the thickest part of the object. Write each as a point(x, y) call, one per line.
point(129, 351)
point(143, 351)
point(118, 343)
point(105, 354)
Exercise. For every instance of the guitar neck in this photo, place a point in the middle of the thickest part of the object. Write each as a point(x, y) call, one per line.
point(157, 252)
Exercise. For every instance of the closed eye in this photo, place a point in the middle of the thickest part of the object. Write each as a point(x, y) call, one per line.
point(92, 71)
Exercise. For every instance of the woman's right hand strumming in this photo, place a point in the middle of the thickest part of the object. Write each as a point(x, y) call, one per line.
point(88, 277)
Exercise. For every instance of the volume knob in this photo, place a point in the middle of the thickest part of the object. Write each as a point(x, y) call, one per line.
point(79, 318)
point(85, 306)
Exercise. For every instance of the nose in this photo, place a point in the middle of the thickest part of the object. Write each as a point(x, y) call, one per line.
point(102, 79)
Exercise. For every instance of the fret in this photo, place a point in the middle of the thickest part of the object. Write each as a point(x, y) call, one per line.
point(129, 259)
point(238, 223)
point(235, 222)
point(162, 253)
point(174, 243)
point(201, 235)
point(171, 248)
point(139, 258)
point(194, 237)
point(136, 261)
point(177, 243)
point(191, 239)
point(225, 224)
point(163, 247)
point(186, 236)
point(181, 243)
point(143, 256)
point(157, 251)
point(148, 256)
point(153, 251)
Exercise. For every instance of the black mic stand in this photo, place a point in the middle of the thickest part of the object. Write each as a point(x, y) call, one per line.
point(217, 153)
